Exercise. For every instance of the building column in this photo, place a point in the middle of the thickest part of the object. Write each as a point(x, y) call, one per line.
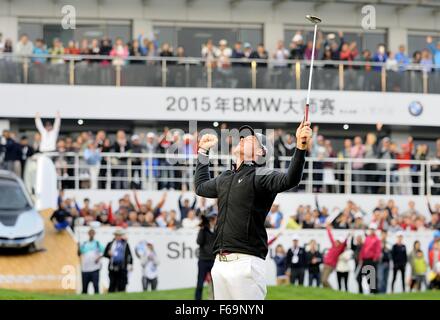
point(272, 33)
point(396, 37)
point(9, 28)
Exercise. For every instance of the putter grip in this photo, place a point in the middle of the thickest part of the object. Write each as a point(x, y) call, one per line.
point(306, 118)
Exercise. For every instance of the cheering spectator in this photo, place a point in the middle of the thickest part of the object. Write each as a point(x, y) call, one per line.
point(280, 55)
point(343, 269)
point(331, 258)
point(419, 267)
point(24, 46)
point(119, 52)
point(48, 132)
point(56, 51)
point(435, 50)
point(370, 255)
point(280, 263)
point(402, 58)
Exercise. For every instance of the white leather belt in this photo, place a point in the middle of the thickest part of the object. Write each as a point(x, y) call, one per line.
point(231, 257)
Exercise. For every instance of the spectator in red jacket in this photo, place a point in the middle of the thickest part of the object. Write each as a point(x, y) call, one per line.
point(370, 255)
point(331, 258)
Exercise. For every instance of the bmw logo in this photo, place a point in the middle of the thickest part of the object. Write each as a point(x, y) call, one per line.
point(415, 108)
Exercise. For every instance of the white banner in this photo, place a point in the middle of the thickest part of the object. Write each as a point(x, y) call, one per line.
point(258, 105)
point(177, 253)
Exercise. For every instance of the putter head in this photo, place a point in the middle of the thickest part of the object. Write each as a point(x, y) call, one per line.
point(313, 19)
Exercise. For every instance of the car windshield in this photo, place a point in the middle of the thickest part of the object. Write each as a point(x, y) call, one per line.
point(12, 196)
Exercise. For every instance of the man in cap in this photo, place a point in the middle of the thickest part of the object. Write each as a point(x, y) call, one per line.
point(121, 261)
point(369, 257)
point(296, 262)
point(400, 259)
point(245, 195)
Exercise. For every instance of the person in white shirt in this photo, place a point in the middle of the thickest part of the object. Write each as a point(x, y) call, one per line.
point(49, 133)
point(91, 253)
point(24, 46)
point(191, 221)
point(281, 55)
point(149, 262)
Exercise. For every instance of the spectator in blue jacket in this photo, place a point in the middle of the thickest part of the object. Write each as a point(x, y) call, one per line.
point(402, 58)
point(280, 262)
point(39, 49)
point(275, 217)
point(380, 56)
point(434, 50)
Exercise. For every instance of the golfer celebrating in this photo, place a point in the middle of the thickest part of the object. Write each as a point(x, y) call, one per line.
point(245, 195)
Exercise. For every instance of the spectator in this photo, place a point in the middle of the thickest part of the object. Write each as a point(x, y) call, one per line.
point(296, 262)
point(223, 55)
point(280, 55)
point(357, 152)
point(119, 53)
point(400, 259)
point(314, 260)
point(370, 255)
point(61, 217)
point(280, 263)
point(237, 52)
point(275, 217)
point(331, 258)
point(135, 51)
point(72, 48)
point(48, 132)
point(121, 145)
point(90, 252)
point(380, 56)
point(260, 54)
point(120, 261)
point(56, 51)
point(205, 240)
point(402, 58)
point(419, 267)
point(209, 53)
point(92, 156)
point(434, 50)
point(24, 46)
point(356, 246)
point(27, 151)
point(190, 221)
point(404, 167)
point(297, 47)
point(12, 153)
point(343, 269)
point(149, 262)
point(136, 163)
point(384, 263)
point(426, 61)
point(185, 206)
point(39, 49)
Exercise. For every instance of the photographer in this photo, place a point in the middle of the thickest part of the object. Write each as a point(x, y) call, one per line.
point(205, 239)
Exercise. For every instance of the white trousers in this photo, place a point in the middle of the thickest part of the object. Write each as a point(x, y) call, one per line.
point(242, 277)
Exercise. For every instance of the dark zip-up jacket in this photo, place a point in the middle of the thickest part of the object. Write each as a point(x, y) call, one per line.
point(399, 256)
point(245, 196)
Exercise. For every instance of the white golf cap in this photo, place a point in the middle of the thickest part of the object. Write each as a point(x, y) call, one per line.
point(295, 237)
point(223, 42)
point(399, 234)
point(372, 226)
point(134, 137)
point(150, 135)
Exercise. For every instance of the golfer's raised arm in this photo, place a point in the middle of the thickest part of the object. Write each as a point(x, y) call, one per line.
point(204, 185)
point(274, 181)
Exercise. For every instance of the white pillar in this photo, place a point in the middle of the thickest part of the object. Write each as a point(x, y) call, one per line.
point(4, 125)
point(272, 33)
point(396, 37)
point(9, 28)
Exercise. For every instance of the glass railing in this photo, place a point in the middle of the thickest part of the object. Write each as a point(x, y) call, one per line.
point(196, 72)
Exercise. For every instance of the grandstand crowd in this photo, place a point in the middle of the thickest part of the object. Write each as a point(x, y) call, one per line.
point(219, 55)
point(92, 148)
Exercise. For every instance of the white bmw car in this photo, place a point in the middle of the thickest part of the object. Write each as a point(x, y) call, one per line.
point(20, 224)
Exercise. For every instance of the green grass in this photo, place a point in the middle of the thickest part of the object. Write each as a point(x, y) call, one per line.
point(274, 293)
